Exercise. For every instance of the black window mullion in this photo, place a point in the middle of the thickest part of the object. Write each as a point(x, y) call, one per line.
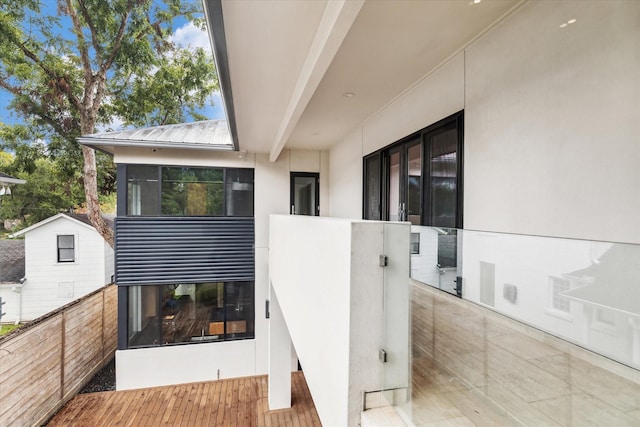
point(160, 290)
point(159, 207)
point(460, 172)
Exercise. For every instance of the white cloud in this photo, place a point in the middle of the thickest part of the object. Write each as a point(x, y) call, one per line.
point(190, 36)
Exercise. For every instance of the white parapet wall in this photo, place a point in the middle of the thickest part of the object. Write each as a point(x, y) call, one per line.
point(178, 364)
point(331, 290)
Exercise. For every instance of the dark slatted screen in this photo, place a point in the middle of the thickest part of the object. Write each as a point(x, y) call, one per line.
point(163, 250)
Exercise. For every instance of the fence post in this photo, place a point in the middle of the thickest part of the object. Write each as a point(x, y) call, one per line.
point(62, 352)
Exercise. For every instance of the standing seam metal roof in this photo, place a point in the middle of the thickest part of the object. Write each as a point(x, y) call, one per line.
point(211, 134)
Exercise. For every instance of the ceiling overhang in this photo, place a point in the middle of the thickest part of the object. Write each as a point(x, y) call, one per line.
point(300, 74)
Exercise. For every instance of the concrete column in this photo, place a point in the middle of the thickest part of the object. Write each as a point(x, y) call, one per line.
point(279, 357)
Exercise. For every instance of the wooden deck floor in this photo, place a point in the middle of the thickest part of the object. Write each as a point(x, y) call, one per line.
point(233, 402)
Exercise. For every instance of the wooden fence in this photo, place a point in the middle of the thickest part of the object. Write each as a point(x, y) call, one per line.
point(45, 363)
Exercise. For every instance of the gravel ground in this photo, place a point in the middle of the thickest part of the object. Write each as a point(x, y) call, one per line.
point(104, 380)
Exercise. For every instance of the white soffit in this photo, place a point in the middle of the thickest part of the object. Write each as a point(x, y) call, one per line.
point(267, 44)
point(391, 46)
point(291, 62)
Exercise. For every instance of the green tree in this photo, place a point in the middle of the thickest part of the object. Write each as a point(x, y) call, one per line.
point(47, 191)
point(117, 61)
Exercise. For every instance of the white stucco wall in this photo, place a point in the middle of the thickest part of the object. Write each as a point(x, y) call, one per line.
point(551, 134)
point(51, 284)
point(152, 367)
point(331, 291)
point(550, 123)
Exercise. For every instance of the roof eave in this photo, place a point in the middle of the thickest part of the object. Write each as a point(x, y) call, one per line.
point(47, 221)
point(215, 25)
point(106, 143)
point(7, 180)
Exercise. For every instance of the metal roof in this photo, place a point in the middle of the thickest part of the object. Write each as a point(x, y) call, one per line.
point(8, 179)
point(203, 135)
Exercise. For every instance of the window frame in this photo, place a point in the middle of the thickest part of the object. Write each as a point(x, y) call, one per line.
point(73, 248)
point(402, 146)
point(124, 201)
point(159, 324)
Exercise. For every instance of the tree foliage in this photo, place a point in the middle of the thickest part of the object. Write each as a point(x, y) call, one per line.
point(88, 63)
point(47, 190)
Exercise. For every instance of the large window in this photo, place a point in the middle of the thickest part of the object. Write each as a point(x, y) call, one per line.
point(419, 178)
point(184, 191)
point(190, 313)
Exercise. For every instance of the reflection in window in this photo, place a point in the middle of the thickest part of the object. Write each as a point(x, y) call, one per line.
point(372, 184)
point(185, 191)
point(190, 313)
point(239, 192)
point(142, 190)
point(444, 167)
point(192, 191)
point(558, 301)
point(414, 190)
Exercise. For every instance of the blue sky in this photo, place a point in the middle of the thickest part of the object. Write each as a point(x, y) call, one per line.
point(185, 35)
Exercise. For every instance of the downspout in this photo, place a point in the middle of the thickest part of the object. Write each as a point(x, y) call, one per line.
point(18, 290)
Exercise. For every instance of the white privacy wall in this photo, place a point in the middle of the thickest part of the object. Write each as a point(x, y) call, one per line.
point(551, 123)
point(330, 290)
point(178, 364)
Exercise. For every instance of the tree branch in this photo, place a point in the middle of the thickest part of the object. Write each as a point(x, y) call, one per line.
point(82, 43)
point(92, 29)
point(118, 40)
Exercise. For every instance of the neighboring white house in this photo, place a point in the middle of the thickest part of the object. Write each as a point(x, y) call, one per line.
point(495, 117)
point(64, 259)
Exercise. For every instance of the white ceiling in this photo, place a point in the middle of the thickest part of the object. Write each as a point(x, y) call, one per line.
point(290, 62)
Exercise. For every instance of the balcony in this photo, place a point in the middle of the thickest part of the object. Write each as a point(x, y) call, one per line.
point(504, 329)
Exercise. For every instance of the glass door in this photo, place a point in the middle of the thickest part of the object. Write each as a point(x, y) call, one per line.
point(443, 167)
point(305, 193)
point(396, 208)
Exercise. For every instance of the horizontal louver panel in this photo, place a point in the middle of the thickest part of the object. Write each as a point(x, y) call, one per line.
point(162, 250)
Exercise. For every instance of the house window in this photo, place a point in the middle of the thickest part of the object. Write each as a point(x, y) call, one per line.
point(185, 191)
point(66, 248)
point(558, 301)
point(421, 179)
point(161, 315)
point(415, 243)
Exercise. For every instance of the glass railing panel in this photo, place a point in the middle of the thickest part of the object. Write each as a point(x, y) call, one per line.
point(587, 292)
point(396, 316)
point(469, 361)
point(436, 257)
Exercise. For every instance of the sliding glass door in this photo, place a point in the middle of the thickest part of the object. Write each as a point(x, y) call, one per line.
point(419, 178)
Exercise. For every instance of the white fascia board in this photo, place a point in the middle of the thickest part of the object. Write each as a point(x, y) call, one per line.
point(7, 180)
point(103, 143)
point(47, 221)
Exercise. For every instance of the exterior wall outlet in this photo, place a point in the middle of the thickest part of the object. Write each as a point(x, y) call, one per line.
point(510, 293)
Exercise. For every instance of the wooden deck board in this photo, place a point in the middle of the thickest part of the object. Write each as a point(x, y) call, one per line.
point(233, 402)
